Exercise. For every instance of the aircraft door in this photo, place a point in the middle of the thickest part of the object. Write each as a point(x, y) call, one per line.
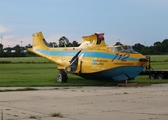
point(79, 63)
point(74, 63)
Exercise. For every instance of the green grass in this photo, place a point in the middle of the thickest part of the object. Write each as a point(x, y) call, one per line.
point(144, 79)
point(39, 75)
point(27, 74)
point(159, 61)
point(25, 59)
point(159, 58)
point(21, 73)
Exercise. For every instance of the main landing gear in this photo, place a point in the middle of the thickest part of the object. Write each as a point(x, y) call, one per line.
point(62, 76)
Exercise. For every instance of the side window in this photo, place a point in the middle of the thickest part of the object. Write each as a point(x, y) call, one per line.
point(118, 49)
point(112, 50)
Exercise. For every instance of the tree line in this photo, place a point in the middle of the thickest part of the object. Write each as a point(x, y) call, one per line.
point(158, 48)
point(21, 51)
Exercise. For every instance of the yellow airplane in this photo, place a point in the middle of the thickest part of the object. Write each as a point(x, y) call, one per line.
point(93, 59)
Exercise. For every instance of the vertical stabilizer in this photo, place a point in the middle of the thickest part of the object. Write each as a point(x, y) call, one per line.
point(39, 42)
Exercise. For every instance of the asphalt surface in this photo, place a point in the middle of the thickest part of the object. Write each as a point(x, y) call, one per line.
point(86, 103)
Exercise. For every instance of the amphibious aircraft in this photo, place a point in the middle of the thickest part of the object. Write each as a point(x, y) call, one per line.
point(93, 59)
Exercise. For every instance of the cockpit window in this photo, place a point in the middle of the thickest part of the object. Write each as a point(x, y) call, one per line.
point(124, 48)
point(118, 49)
point(128, 48)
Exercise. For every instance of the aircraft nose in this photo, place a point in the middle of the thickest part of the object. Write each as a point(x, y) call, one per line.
point(143, 60)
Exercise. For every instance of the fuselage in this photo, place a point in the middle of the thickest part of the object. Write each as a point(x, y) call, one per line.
point(93, 59)
point(100, 63)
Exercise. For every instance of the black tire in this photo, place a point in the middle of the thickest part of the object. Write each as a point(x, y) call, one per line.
point(160, 76)
point(152, 76)
point(62, 76)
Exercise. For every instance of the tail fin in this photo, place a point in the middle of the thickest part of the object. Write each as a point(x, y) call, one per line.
point(39, 42)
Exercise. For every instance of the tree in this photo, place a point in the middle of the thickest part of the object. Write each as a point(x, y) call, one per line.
point(165, 46)
point(138, 47)
point(53, 44)
point(1, 48)
point(17, 49)
point(28, 46)
point(8, 51)
point(158, 47)
point(63, 41)
point(157, 43)
point(75, 44)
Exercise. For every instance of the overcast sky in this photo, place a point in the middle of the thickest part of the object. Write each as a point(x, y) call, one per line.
point(127, 21)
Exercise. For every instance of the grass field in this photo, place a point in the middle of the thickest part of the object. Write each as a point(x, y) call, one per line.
point(37, 71)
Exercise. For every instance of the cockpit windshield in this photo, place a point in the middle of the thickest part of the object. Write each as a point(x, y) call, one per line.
point(128, 48)
point(123, 48)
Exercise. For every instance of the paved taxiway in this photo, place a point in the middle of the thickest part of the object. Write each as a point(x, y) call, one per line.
point(87, 103)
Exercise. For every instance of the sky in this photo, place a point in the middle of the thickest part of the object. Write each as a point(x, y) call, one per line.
point(125, 21)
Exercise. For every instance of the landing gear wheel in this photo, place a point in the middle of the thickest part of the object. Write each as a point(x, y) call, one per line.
point(160, 76)
point(152, 76)
point(62, 76)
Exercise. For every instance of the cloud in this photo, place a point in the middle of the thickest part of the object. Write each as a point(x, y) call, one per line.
point(3, 29)
point(6, 40)
point(11, 41)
